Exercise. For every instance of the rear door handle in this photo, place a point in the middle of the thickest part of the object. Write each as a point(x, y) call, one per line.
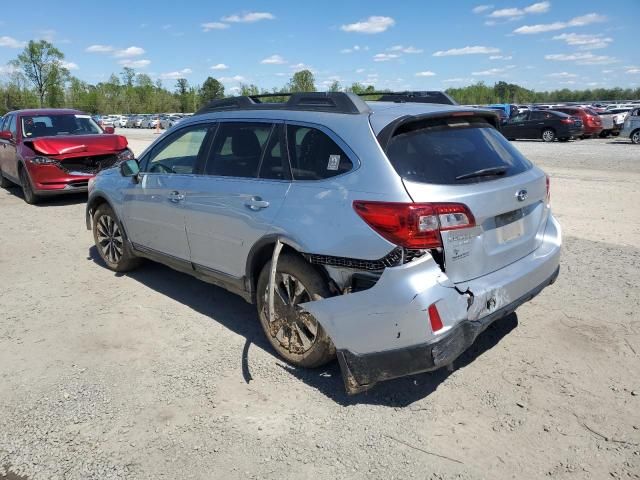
point(176, 197)
point(256, 203)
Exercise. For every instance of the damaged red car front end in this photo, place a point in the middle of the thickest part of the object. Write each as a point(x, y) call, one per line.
point(65, 164)
point(56, 151)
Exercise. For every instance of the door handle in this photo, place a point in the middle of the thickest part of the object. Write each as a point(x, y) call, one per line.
point(176, 197)
point(540, 123)
point(256, 203)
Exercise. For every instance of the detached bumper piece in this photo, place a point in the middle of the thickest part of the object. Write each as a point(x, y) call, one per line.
point(362, 372)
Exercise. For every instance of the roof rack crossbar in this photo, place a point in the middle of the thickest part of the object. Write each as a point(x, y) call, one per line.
point(336, 102)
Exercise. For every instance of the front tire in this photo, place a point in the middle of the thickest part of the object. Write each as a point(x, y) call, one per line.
point(548, 135)
point(27, 189)
point(111, 242)
point(295, 334)
point(635, 137)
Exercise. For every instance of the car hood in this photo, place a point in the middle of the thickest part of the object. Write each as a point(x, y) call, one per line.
point(78, 144)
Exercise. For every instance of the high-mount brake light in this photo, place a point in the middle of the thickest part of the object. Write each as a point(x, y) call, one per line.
point(414, 225)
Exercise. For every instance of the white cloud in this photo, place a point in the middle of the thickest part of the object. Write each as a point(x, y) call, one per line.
point(134, 63)
point(99, 49)
point(453, 80)
point(219, 66)
point(249, 17)
point(236, 78)
point(633, 70)
point(374, 24)
point(491, 71)
point(562, 75)
point(535, 8)
point(584, 41)
point(481, 8)
point(177, 74)
point(500, 57)
point(11, 42)
point(129, 52)
point(355, 48)
point(403, 49)
point(207, 27)
point(475, 50)
point(586, 58)
point(426, 73)
point(581, 21)
point(8, 69)
point(301, 66)
point(360, 70)
point(69, 65)
point(273, 60)
point(384, 57)
point(607, 71)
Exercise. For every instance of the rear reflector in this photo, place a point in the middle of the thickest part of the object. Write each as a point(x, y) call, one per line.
point(434, 318)
point(414, 225)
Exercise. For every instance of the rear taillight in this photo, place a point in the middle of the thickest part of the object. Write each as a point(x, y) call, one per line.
point(548, 197)
point(566, 120)
point(414, 225)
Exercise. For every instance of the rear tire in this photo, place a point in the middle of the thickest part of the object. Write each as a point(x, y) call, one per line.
point(548, 135)
point(111, 242)
point(635, 137)
point(295, 334)
point(27, 188)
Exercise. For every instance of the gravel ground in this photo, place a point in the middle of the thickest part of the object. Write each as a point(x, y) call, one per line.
point(154, 374)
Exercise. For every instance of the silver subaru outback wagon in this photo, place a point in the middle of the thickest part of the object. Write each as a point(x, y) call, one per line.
point(388, 234)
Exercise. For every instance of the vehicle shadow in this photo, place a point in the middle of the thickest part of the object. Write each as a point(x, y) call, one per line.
point(237, 315)
point(52, 201)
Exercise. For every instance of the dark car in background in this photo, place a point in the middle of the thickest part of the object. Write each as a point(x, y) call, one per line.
point(55, 151)
point(547, 125)
point(591, 121)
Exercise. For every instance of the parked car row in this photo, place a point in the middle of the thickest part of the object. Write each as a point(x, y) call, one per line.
point(141, 120)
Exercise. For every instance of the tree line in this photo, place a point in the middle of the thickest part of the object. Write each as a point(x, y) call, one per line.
point(38, 78)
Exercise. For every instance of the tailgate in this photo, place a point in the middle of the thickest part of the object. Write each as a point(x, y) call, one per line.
point(509, 222)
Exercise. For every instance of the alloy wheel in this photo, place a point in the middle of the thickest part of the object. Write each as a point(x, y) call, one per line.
point(635, 137)
point(295, 329)
point(547, 135)
point(109, 239)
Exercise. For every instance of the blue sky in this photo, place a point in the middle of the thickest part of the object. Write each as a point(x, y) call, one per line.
point(398, 45)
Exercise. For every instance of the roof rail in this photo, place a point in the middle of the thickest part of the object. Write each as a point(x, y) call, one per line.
point(421, 96)
point(334, 102)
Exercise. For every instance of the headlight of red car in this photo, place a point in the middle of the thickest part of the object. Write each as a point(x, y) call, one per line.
point(43, 161)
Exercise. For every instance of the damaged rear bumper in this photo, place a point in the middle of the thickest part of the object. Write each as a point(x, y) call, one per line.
point(384, 332)
point(361, 372)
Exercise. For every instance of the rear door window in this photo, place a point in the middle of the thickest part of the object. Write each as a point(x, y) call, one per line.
point(314, 155)
point(440, 151)
point(237, 149)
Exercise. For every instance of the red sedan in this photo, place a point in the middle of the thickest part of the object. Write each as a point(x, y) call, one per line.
point(591, 121)
point(55, 151)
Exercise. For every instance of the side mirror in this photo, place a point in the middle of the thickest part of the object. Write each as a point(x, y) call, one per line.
point(109, 130)
point(6, 135)
point(130, 168)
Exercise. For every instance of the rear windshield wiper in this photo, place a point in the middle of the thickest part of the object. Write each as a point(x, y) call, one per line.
point(484, 172)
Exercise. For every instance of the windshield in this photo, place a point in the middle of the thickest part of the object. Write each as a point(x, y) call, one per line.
point(446, 151)
point(53, 125)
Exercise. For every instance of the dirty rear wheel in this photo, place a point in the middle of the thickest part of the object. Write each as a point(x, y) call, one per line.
point(294, 334)
point(635, 137)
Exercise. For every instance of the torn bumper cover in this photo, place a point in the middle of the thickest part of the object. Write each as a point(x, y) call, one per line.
point(384, 332)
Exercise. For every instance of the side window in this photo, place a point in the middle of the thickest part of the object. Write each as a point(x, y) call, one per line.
point(273, 165)
point(537, 115)
point(12, 125)
point(4, 120)
point(313, 155)
point(237, 149)
point(180, 153)
point(521, 117)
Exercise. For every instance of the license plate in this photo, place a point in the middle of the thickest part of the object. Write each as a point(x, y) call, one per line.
point(510, 225)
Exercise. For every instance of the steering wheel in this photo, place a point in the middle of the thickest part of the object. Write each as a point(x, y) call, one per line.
point(161, 168)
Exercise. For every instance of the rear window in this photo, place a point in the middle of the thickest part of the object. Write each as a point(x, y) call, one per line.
point(442, 150)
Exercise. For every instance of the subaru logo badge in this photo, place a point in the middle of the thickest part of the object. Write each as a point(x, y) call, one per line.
point(521, 195)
